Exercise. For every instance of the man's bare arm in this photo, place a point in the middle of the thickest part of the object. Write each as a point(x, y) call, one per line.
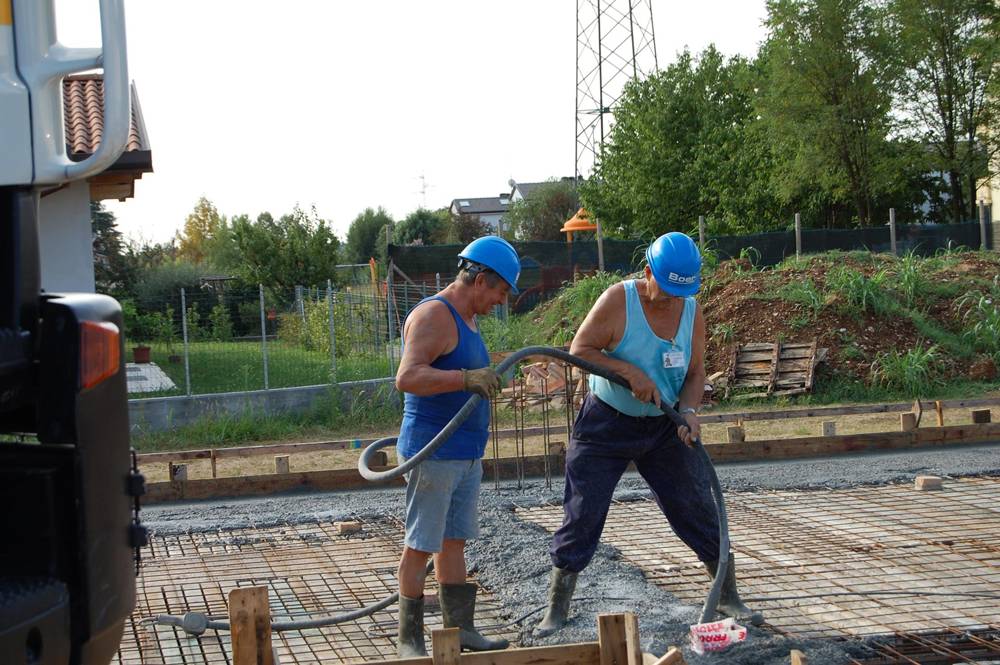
point(429, 333)
point(604, 325)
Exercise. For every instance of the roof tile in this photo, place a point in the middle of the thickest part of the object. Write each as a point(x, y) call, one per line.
point(83, 104)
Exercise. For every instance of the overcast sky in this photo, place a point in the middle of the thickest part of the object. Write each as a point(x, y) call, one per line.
point(344, 105)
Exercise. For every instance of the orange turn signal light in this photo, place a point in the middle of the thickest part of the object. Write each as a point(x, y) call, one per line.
point(100, 352)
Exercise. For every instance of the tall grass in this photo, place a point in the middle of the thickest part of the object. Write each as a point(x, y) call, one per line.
point(859, 290)
point(914, 371)
point(805, 293)
point(981, 313)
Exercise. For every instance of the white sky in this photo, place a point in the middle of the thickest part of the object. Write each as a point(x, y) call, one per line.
point(343, 105)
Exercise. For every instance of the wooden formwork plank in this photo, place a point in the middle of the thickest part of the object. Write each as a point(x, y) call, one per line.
point(534, 465)
point(612, 639)
point(446, 649)
point(583, 653)
point(632, 646)
point(250, 626)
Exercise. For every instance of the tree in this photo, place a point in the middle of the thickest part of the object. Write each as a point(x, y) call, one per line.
point(687, 142)
point(200, 228)
point(544, 211)
point(422, 226)
point(363, 233)
point(114, 273)
point(831, 66)
point(298, 249)
point(466, 228)
point(951, 51)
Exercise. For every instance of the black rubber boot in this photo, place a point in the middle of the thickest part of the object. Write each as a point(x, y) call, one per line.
point(561, 586)
point(458, 610)
point(729, 599)
point(410, 643)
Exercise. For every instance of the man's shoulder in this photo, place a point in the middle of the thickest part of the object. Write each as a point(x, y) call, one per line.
point(431, 311)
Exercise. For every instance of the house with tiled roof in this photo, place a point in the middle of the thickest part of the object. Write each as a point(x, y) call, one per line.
point(490, 209)
point(64, 233)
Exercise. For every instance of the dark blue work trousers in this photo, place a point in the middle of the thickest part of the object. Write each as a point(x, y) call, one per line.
point(604, 441)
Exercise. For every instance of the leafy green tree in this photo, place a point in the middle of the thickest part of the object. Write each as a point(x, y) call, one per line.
point(687, 142)
point(832, 66)
point(951, 51)
point(114, 273)
point(422, 226)
point(298, 249)
point(363, 234)
point(543, 212)
point(202, 225)
point(466, 228)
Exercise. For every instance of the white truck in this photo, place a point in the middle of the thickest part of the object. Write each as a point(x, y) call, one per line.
point(69, 488)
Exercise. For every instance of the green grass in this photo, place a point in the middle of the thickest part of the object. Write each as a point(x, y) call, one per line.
point(239, 366)
point(325, 419)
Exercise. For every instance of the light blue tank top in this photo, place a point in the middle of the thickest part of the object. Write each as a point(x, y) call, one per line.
point(664, 361)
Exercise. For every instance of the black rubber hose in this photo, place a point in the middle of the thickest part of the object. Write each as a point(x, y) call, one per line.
point(364, 463)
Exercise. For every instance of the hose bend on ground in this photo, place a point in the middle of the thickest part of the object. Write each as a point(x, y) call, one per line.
point(364, 463)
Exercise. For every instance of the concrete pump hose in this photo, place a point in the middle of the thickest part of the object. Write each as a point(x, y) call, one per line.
point(364, 463)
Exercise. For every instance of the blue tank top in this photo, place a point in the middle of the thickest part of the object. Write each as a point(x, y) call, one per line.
point(665, 361)
point(424, 417)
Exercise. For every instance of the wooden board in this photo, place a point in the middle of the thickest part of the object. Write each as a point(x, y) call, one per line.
point(534, 465)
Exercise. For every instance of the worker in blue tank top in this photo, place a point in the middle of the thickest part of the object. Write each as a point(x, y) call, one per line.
point(651, 332)
point(444, 362)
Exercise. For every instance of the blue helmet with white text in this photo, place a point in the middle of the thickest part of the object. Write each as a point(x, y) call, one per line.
point(498, 255)
point(675, 262)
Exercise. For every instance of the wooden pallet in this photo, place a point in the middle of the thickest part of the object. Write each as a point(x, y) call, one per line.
point(780, 368)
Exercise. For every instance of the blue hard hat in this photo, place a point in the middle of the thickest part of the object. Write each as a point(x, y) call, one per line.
point(496, 254)
point(675, 262)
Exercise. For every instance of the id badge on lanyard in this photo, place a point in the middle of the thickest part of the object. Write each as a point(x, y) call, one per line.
point(673, 359)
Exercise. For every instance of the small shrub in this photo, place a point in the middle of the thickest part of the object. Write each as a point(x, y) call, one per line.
point(912, 372)
point(221, 324)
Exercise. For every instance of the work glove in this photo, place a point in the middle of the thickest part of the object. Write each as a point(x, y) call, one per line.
point(484, 382)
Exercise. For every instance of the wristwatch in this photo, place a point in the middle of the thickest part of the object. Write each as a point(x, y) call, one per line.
point(688, 409)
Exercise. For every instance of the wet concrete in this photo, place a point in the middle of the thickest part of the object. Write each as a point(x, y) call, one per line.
point(511, 556)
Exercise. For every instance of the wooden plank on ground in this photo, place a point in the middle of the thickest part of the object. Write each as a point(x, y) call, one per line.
point(582, 653)
point(633, 648)
point(611, 638)
point(250, 626)
point(851, 443)
point(325, 480)
point(445, 646)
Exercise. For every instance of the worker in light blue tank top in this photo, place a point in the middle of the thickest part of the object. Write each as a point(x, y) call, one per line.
point(444, 363)
point(651, 332)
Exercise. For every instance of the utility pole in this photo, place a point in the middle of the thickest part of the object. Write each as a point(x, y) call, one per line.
point(615, 43)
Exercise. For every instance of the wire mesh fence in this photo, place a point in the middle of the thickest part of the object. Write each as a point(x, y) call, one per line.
point(223, 339)
point(213, 340)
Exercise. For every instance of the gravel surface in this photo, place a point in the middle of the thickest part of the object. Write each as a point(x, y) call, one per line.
point(511, 557)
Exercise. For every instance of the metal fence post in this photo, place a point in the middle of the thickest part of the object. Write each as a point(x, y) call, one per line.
point(388, 314)
point(701, 232)
point(406, 298)
point(798, 235)
point(600, 246)
point(982, 225)
point(892, 230)
point(330, 299)
point(263, 335)
point(437, 282)
point(184, 332)
point(299, 304)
